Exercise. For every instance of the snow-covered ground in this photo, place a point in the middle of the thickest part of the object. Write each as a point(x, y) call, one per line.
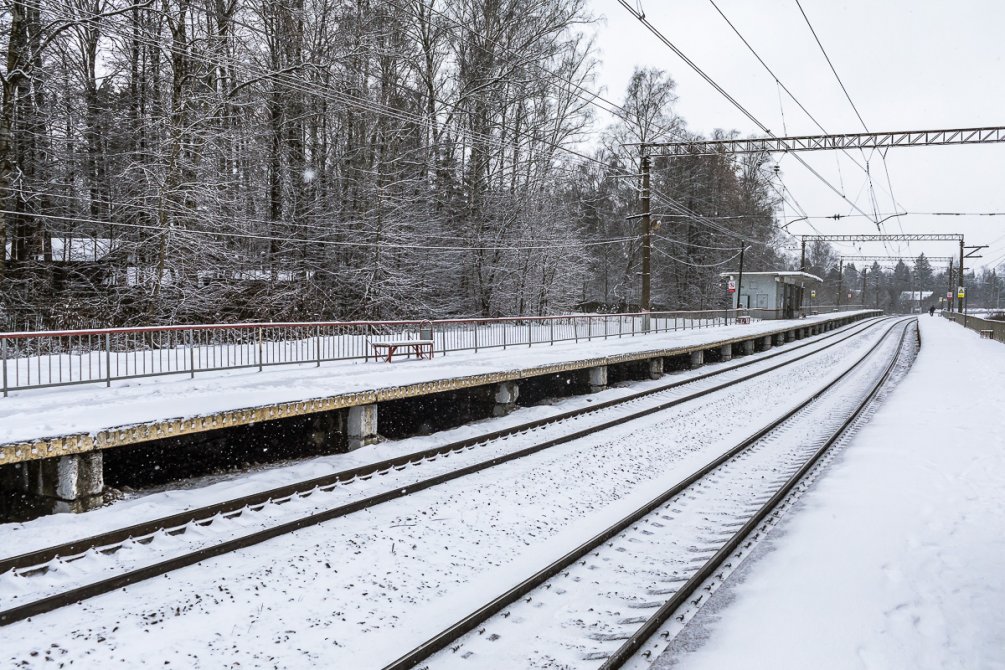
point(72, 410)
point(587, 611)
point(895, 559)
point(355, 592)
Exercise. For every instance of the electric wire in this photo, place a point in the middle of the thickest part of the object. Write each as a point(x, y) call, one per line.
point(666, 41)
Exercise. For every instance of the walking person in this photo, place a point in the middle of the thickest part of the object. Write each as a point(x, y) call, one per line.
point(931, 310)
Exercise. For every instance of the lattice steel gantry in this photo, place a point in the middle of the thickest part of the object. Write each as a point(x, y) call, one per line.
point(884, 140)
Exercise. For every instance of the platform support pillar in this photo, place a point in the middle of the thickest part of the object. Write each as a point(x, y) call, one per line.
point(505, 396)
point(767, 342)
point(362, 426)
point(598, 378)
point(73, 483)
point(697, 359)
point(748, 347)
point(655, 368)
point(727, 352)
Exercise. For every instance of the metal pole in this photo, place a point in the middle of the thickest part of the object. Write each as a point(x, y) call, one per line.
point(840, 277)
point(959, 300)
point(865, 273)
point(259, 349)
point(108, 359)
point(646, 233)
point(949, 300)
point(739, 281)
point(802, 257)
point(3, 355)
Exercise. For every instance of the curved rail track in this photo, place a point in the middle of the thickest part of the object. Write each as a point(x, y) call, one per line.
point(35, 562)
point(686, 589)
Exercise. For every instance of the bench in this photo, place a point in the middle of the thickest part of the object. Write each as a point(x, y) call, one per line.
point(386, 350)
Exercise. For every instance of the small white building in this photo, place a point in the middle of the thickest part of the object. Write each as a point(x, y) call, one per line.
point(917, 301)
point(775, 295)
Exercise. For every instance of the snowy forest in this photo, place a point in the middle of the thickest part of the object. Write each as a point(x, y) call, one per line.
point(218, 160)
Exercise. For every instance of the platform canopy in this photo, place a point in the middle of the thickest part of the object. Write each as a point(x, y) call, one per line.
point(790, 276)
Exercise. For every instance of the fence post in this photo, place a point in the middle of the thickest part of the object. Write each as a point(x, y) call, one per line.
point(259, 349)
point(108, 360)
point(551, 330)
point(504, 329)
point(317, 343)
point(476, 336)
point(530, 334)
point(589, 329)
point(191, 354)
point(3, 355)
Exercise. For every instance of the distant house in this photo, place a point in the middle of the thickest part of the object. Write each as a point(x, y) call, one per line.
point(916, 301)
point(74, 249)
point(80, 249)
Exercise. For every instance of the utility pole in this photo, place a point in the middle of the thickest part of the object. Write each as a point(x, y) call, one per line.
point(865, 273)
point(949, 300)
point(959, 300)
point(802, 257)
point(739, 283)
point(646, 233)
point(840, 277)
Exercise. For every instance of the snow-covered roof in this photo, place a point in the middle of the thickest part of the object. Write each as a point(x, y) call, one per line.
point(915, 295)
point(776, 273)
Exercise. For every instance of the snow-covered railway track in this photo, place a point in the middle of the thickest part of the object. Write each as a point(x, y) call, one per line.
point(624, 591)
point(275, 521)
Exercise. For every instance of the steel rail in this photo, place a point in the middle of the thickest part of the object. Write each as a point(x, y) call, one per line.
point(77, 594)
point(235, 506)
point(627, 650)
point(496, 605)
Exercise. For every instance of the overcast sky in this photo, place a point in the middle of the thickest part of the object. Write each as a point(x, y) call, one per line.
point(907, 64)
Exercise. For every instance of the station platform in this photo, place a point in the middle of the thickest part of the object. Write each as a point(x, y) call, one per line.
point(49, 425)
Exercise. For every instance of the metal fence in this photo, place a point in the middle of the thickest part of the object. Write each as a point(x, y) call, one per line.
point(32, 360)
point(996, 328)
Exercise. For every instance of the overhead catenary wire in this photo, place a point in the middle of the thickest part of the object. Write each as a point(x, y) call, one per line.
point(851, 102)
point(782, 87)
point(695, 265)
point(640, 16)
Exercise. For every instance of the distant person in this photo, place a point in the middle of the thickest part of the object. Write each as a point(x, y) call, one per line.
point(931, 310)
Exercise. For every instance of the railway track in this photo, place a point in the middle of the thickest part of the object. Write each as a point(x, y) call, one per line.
point(634, 578)
point(36, 562)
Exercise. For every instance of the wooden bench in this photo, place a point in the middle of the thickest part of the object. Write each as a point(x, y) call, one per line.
point(385, 350)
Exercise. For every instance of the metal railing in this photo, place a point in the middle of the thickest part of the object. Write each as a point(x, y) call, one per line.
point(978, 324)
point(43, 359)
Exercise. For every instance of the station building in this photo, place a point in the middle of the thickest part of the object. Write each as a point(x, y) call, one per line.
point(776, 295)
